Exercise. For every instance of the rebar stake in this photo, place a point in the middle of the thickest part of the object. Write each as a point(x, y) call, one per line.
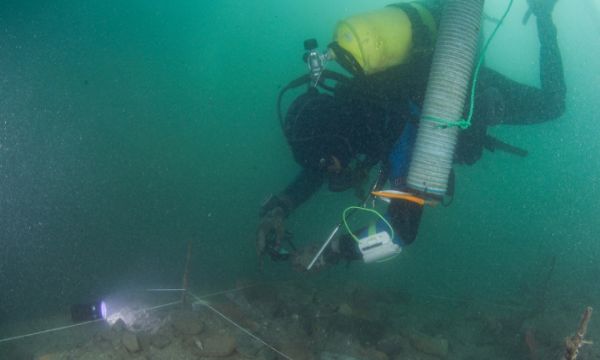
point(186, 270)
point(575, 342)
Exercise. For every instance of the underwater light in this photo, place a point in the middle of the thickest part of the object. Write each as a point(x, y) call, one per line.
point(88, 312)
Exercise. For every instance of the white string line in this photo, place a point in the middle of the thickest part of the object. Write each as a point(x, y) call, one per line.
point(199, 300)
point(66, 327)
point(215, 293)
point(158, 307)
point(227, 291)
point(12, 338)
point(247, 332)
point(164, 290)
point(222, 292)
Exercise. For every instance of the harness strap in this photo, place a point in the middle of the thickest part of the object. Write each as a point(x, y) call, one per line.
point(422, 42)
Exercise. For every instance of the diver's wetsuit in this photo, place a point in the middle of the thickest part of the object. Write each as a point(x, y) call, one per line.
point(500, 100)
point(371, 103)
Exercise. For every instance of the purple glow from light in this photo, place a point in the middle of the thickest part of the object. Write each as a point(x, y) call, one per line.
point(103, 310)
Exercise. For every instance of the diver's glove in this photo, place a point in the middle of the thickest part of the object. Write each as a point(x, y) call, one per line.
point(271, 233)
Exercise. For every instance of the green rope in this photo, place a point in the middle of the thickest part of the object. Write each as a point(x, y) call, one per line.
point(372, 211)
point(465, 123)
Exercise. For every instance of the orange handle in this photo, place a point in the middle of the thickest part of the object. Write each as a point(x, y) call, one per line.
point(400, 196)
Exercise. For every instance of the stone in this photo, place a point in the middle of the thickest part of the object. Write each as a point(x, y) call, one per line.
point(334, 356)
point(110, 336)
point(373, 354)
point(188, 325)
point(436, 346)
point(297, 350)
point(119, 326)
point(247, 347)
point(144, 340)
point(415, 355)
point(216, 345)
point(392, 344)
point(345, 310)
point(160, 340)
point(55, 356)
point(130, 341)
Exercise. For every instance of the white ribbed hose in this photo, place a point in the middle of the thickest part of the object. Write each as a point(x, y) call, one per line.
point(447, 90)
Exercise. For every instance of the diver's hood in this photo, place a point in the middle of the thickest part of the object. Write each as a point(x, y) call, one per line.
point(314, 130)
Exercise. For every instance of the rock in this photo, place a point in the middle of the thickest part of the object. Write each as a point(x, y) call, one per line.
point(297, 350)
point(160, 340)
point(130, 341)
point(373, 354)
point(345, 310)
point(216, 346)
point(188, 325)
point(144, 340)
point(238, 315)
point(111, 336)
point(55, 356)
point(119, 326)
point(247, 347)
point(429, 345)
point(333, 356)
point(392, 345)
point(415, 355)
point(366, 332)
point(265, 354)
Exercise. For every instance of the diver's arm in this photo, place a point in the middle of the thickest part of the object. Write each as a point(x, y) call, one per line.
point(524, 104)
point(304, 185)
point(271, 232)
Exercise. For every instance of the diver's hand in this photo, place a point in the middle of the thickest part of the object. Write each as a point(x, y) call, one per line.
point(271, 232)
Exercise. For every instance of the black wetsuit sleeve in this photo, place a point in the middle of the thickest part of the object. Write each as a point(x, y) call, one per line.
point(306, 183)
point(522, 104)
point(500, 100)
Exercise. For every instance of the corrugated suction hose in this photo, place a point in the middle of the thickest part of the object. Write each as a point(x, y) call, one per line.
point(447, 90)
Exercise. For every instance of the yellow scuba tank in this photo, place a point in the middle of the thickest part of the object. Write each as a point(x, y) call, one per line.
point(375, 41)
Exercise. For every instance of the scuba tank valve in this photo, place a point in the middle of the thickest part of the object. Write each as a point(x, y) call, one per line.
point(315, 60)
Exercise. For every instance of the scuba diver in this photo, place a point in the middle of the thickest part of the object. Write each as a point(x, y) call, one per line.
point(338, 133)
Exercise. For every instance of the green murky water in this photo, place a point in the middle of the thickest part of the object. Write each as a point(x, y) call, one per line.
point(129, 128)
